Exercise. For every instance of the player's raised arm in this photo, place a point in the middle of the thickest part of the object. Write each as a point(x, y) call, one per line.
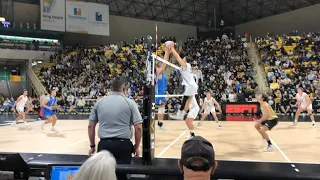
point(182, 62)
point(160, 70)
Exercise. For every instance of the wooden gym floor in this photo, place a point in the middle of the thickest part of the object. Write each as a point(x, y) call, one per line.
point(238, 140)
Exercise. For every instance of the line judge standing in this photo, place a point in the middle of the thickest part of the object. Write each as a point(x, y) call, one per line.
point(116, 115)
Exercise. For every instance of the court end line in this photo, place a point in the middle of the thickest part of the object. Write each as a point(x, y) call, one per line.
point(172, 143)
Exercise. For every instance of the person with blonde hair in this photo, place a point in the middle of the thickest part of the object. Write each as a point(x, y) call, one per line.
point(98, 167)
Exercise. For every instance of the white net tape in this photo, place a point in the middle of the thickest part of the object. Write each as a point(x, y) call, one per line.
point(169, 95)
point(164, 61)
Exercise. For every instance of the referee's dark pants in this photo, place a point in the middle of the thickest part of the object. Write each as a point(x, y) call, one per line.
point(120, 148)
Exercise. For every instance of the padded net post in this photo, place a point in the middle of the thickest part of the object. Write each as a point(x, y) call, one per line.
point(148, 140)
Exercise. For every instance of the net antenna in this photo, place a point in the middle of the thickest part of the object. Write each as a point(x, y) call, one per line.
point(150, 63)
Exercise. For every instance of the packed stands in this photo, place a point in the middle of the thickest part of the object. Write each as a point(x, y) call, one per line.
point(224, 66)
point(85, 72)
point(291, 62)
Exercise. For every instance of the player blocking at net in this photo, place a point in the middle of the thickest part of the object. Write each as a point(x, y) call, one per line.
point(191, 88)
point(161, 87)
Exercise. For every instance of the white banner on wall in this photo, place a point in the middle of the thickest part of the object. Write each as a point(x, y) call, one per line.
point(52, 15)
point(77, 17)
point(98, 19)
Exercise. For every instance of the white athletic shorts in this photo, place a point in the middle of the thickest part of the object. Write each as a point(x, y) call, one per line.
point(210, 110)
point(190, 89)
point(194, 108)
point(308, 108)
point(20, 109)
point(161, 110)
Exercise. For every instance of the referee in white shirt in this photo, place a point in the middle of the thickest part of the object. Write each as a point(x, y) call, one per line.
point(116, 115)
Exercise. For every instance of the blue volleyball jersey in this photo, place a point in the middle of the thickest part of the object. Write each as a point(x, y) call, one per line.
point(51, 103)
point(161, 87)
point(161, 83)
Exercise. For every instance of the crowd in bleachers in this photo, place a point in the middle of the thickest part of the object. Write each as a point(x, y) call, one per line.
point(291, 61)
point(83, 74)
point(221, 66)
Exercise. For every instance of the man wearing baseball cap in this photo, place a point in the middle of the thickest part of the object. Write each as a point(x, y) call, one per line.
point(197, 159)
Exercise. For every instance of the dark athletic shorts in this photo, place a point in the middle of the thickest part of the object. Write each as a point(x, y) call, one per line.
point(270, 123)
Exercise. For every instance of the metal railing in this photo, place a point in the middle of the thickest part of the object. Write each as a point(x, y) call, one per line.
point(35, 82)
point(259, 74)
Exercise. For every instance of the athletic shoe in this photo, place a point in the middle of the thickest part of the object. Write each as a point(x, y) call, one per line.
point(175, 116)
point(294, 123)
point(42, 125)
point(160, 127)
point(26, 124)
point(39, 119)
point(53, 129)
point(269, 148)
point(14, 123)
point(219, 127)
point(199, 123)
point(313, 125)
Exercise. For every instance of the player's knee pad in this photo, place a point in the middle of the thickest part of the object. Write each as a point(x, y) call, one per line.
point(161, 110)
point(193, 112)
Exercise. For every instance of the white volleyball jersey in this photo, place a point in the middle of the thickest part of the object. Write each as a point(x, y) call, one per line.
point(187, 76)
point(208, 102)
point(23, 101)
point(302, 99)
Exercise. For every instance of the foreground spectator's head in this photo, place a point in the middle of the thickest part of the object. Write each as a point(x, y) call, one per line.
point(98, 167)
point(197, 159)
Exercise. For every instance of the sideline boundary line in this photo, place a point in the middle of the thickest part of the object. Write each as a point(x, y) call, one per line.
point(171, 144)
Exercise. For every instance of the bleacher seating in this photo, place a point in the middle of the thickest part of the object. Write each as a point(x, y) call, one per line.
point(291, 62)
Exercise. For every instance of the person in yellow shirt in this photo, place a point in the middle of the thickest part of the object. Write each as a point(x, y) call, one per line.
point(274, 85)
point(268, 120)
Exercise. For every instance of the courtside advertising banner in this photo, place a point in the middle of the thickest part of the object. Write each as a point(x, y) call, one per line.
point(52, 15)
point(98, 19)
point(77, 17)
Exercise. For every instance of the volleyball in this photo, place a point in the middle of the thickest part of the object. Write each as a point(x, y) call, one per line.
point(169, 44)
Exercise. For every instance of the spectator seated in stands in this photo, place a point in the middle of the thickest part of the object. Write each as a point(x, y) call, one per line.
point(36, 104)
point(80, 104)
point(197, 159)
point(101, 166)
point(6, 105)
point(291, 62)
